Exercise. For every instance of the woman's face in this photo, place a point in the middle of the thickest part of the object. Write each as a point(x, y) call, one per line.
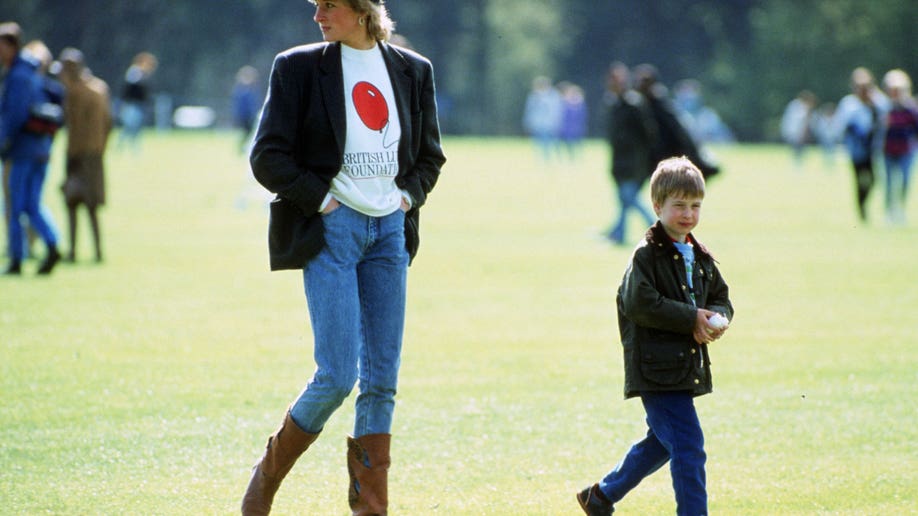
point(896, 94)
point(338, 21)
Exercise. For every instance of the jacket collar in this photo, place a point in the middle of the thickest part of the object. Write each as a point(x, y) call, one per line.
point(332, 84)
point(657, 238)
point(401, 76)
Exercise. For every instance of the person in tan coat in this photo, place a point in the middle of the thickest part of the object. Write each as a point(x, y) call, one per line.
point(89, 122)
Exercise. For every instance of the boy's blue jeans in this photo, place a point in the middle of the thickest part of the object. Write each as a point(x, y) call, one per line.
point(355, 289)
point(674, 435)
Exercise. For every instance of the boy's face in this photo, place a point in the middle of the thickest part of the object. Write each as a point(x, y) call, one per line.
point(679, 215)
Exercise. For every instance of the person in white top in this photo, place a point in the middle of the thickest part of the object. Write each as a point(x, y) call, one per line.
point(350, 143)
point(858, 122)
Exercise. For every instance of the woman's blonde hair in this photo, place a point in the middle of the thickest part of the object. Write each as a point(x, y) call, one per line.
point(898, 80)
point(379, 25)
point(146, 61)
point(39, 51)
point(676, 177)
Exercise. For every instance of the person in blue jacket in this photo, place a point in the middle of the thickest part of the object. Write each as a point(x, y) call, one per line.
point(246, 104)
point(26, 149)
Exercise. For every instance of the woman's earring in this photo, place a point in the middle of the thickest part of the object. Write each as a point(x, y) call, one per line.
point(361, 21)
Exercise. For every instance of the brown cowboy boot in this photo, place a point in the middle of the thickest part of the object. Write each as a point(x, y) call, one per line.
point(368, 466)
point(284, 448)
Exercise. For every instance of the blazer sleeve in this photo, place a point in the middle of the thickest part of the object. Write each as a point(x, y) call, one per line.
point(274, 157)
point(422, 176)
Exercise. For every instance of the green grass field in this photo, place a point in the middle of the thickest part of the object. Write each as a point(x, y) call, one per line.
point(148, 384)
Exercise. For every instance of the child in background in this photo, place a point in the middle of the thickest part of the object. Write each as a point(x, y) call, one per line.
point(672, 302)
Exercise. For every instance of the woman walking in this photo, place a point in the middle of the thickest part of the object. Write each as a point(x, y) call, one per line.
point(350, 143)
point(858, 121)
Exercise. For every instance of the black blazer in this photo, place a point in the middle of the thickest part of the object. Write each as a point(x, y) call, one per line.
point(299, 145)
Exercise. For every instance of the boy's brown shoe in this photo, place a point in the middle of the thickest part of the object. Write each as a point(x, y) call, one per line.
point(593, 502)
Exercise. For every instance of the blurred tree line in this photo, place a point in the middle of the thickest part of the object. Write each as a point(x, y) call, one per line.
point(751, 56)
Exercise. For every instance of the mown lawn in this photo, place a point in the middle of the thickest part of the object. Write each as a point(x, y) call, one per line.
point(148, 384)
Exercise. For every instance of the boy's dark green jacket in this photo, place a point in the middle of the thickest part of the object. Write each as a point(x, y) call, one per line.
point(656, 317)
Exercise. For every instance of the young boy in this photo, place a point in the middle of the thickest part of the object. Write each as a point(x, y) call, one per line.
point(669, 294)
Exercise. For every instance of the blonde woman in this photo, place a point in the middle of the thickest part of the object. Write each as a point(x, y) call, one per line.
point(350, 143)
point(900, 141)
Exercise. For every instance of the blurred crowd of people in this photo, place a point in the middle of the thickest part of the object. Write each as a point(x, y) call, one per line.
point(40, 95)
point(556, 117)
point(878, 127)
point(644, 127)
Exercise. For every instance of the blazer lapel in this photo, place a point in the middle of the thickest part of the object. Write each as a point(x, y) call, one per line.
point(332, 83)
point(400, 75)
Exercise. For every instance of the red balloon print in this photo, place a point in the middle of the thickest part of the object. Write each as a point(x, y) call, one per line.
point(371, 105)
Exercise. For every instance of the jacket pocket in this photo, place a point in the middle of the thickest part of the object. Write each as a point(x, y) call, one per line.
point(293, 238)
point(666, 362)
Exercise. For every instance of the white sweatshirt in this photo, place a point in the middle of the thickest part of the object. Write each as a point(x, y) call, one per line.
point(366, 181)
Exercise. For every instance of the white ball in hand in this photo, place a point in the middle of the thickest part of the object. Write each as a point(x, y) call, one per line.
point(718, 321)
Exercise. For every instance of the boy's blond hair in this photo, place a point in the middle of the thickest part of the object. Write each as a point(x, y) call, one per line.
point(677, 177)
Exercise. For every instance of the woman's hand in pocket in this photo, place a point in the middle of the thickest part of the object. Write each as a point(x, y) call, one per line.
point(332, 205)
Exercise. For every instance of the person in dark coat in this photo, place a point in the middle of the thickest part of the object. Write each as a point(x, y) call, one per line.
point(900, 141)
point(673, 139)
point(135, 97)
point(349, 142)
point(632, 133)
point(672, 303)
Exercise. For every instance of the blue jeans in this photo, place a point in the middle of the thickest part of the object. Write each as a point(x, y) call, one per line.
point(27, 178)
point(132, 118)
point(898, 174)
point(355, 289)
point(628, 200)
point(547, 143)
point(674, 436)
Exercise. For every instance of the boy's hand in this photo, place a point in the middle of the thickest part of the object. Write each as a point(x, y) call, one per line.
point(704, 332)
